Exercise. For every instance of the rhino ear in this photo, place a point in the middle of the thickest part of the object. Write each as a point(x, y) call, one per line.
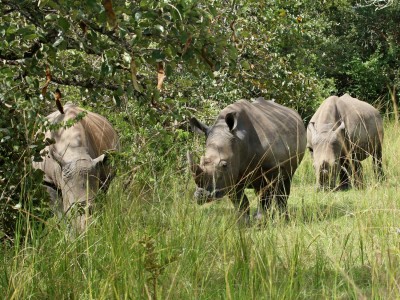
point(312, 128)
point(231, 120)
point(198, 127)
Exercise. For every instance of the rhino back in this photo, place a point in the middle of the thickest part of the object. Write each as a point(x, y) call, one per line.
point(275, 135)
point(92, 135)
point(362, 121)
point(93, 132)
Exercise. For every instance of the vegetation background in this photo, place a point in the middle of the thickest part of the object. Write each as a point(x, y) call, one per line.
point(148, 66)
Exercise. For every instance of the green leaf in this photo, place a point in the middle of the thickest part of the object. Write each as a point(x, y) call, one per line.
point(43, 3)
point(159, 28)
point(233, 53)
point(245, 64)
point(158, 55)
point(58, 41)
point(63, 23)
point(11, 30)
point(50, 17)
point(169, 70)
point(138, 15)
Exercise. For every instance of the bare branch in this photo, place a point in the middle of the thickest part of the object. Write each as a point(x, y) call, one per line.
point(90, 83)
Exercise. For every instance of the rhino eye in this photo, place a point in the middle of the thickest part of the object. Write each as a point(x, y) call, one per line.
point(223, 164)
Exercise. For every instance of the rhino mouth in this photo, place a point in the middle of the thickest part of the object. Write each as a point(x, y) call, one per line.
point(203, 196)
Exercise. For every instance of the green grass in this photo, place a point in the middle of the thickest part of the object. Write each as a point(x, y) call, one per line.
point(152, 241)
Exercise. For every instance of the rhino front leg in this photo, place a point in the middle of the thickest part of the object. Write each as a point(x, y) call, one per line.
point(278, 190)
point(344, 174)
point(242, 205)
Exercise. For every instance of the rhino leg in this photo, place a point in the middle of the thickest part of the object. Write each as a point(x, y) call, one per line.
point(377, 161)
point(357, 174)
point(344, 174)
point(241, 203)
point(283, 192)
point(280, 190)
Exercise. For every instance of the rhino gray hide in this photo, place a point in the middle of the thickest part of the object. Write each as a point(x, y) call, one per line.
point(74, 165)
point(257, 145)
point(343, 132)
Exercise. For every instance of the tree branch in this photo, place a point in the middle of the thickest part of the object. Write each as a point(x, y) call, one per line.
point(90, 83)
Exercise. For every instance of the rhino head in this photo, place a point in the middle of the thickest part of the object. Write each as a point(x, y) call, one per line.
point(79, 181)
point(218, 170)
point(326, 147)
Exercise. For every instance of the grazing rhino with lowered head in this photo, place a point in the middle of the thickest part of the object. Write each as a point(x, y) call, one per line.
point(343, 132)
point(251, 144)
point(74, 165)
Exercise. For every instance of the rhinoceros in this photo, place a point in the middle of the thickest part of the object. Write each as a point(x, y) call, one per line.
point(343, 132)
point(74, 166)
point(255, 145)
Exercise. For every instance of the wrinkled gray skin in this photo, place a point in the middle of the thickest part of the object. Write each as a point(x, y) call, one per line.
point(257, 145)
point(75, 164)
point(343, 132)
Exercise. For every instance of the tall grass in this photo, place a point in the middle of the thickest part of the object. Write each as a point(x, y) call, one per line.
point(150, 241)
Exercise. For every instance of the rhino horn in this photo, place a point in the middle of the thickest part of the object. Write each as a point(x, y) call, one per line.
point(57, 157)
point(101, 159)
point(341, 127)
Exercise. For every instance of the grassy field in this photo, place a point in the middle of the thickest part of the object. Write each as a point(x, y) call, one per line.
point(153, 242)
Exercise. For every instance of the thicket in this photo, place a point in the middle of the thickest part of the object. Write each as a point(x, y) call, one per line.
point(148, 65)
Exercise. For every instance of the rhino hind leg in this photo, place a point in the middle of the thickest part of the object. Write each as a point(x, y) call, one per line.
point(283, 192)
point(377, 163)
point(358, 174)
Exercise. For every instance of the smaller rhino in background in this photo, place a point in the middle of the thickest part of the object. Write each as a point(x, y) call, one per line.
point(255, 145)
point(343, 132)
point(75, 165)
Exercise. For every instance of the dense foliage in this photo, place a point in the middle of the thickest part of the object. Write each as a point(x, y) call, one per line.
point(149, 64)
